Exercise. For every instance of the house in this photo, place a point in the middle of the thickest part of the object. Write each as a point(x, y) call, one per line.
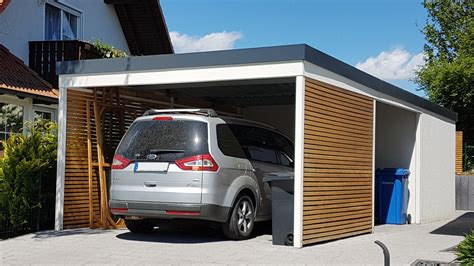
point(24, 95)
point(40, 33)
point(344, 122)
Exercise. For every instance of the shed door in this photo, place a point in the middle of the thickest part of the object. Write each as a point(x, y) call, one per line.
point(338, 155)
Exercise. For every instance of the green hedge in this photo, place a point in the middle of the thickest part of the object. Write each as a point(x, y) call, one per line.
point(465, 250)
point(28, 176)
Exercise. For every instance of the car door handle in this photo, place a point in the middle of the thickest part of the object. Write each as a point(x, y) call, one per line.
point(150, 184)
point(242, 166)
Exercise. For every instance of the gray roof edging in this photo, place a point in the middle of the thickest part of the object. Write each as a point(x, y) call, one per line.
point(249, 56)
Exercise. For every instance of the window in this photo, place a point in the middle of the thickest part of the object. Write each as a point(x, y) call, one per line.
point(61, 22)
point(169, 140)
point(11, 119)
point(45, 115)
point(258, 143)
point(228, 143)
point(285, 150)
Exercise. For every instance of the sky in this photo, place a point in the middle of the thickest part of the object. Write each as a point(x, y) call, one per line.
point(381, 37)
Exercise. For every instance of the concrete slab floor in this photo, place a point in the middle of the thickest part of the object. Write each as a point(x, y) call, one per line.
point(191, 243)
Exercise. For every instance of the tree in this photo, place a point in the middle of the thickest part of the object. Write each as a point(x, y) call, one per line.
point(448, 75)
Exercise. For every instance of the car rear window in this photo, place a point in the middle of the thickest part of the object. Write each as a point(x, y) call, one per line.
point(152, 140)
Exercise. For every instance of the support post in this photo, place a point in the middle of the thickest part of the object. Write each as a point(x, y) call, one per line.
point(299, 163)
point(61, 162)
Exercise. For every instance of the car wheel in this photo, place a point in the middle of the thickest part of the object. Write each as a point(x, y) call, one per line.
point(242, 219)
point(140, 226)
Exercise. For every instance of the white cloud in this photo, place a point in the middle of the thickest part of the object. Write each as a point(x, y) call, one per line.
point(184, 43)
point(397, 64)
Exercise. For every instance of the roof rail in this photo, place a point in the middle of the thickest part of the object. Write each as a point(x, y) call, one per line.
point(207, 112)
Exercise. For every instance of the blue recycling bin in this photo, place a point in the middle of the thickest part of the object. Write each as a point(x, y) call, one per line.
point(391, 195)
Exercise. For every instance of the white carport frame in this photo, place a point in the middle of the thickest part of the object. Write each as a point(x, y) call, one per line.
point(435, 127)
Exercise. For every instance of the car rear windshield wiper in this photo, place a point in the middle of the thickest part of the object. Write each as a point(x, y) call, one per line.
point(166, 151)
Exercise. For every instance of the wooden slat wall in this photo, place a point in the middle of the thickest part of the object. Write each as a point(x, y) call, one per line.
point(459, 152)
point(76, 189)
point(117, 117)
point(338, 154)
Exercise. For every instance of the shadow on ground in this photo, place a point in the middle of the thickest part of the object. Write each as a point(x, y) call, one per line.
point(69, 232)
point(457, 227)
point(189, 232)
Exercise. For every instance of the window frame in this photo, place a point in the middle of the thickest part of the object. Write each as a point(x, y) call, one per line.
point(64, 8)
point(15, 101)
point(44, 110)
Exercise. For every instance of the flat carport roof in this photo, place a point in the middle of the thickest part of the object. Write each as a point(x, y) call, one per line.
point(252, 56)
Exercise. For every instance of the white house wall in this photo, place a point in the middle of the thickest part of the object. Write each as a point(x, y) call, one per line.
point(96, 27)
point(437, 168)
point(20, 22)
point(23, 21)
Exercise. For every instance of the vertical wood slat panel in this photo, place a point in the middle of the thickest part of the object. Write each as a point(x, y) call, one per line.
point(337, 185)
point(459, 152)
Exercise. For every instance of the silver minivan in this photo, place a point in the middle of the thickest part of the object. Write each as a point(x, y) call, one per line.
point(194, 164)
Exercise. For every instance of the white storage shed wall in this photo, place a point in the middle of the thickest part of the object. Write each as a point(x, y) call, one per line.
point(437, 167)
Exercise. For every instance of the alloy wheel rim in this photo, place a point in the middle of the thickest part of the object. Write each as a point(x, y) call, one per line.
point(245, 217)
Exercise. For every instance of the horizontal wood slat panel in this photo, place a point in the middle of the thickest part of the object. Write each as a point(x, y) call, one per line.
point(315, 134)
point(334, 200)
point(323, 107)
point(314, 116)
point(315, 86)
point(337, 235)
point(76, 190)
point(337, 205)
point(338, 161)
point(344, 104)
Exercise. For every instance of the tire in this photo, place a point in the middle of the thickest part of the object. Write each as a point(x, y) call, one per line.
point(140, 226)
point(241, 222)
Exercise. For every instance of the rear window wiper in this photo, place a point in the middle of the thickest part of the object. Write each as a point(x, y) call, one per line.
point(166, 151)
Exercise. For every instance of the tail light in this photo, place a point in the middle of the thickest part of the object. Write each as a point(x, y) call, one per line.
point(203, 162)
point(162, 118)
point(119, 209)
point(120, 162)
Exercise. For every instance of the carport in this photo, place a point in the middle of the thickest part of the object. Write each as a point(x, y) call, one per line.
point(344, 123)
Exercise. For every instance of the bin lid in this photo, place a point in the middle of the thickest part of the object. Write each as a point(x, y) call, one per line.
point(392, 171)
point(278, 176)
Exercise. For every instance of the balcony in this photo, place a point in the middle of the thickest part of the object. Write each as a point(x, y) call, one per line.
point(43, 56)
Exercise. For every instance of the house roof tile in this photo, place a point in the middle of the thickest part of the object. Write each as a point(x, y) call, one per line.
point(16, 76)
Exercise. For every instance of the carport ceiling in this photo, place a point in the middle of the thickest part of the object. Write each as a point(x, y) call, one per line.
point(236, 93)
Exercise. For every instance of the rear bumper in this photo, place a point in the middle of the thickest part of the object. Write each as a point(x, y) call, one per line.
point(169, 210)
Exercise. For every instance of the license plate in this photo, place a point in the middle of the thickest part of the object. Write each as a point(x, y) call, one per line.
point(151, 167)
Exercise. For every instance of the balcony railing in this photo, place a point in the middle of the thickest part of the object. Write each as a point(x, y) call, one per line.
point(43, 56)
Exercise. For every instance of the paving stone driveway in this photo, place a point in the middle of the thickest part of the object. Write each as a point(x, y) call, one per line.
point(197, 243)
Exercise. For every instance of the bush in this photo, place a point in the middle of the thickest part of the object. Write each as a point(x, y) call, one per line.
point(107, 50)
point(28, 171)
point(465, 250)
